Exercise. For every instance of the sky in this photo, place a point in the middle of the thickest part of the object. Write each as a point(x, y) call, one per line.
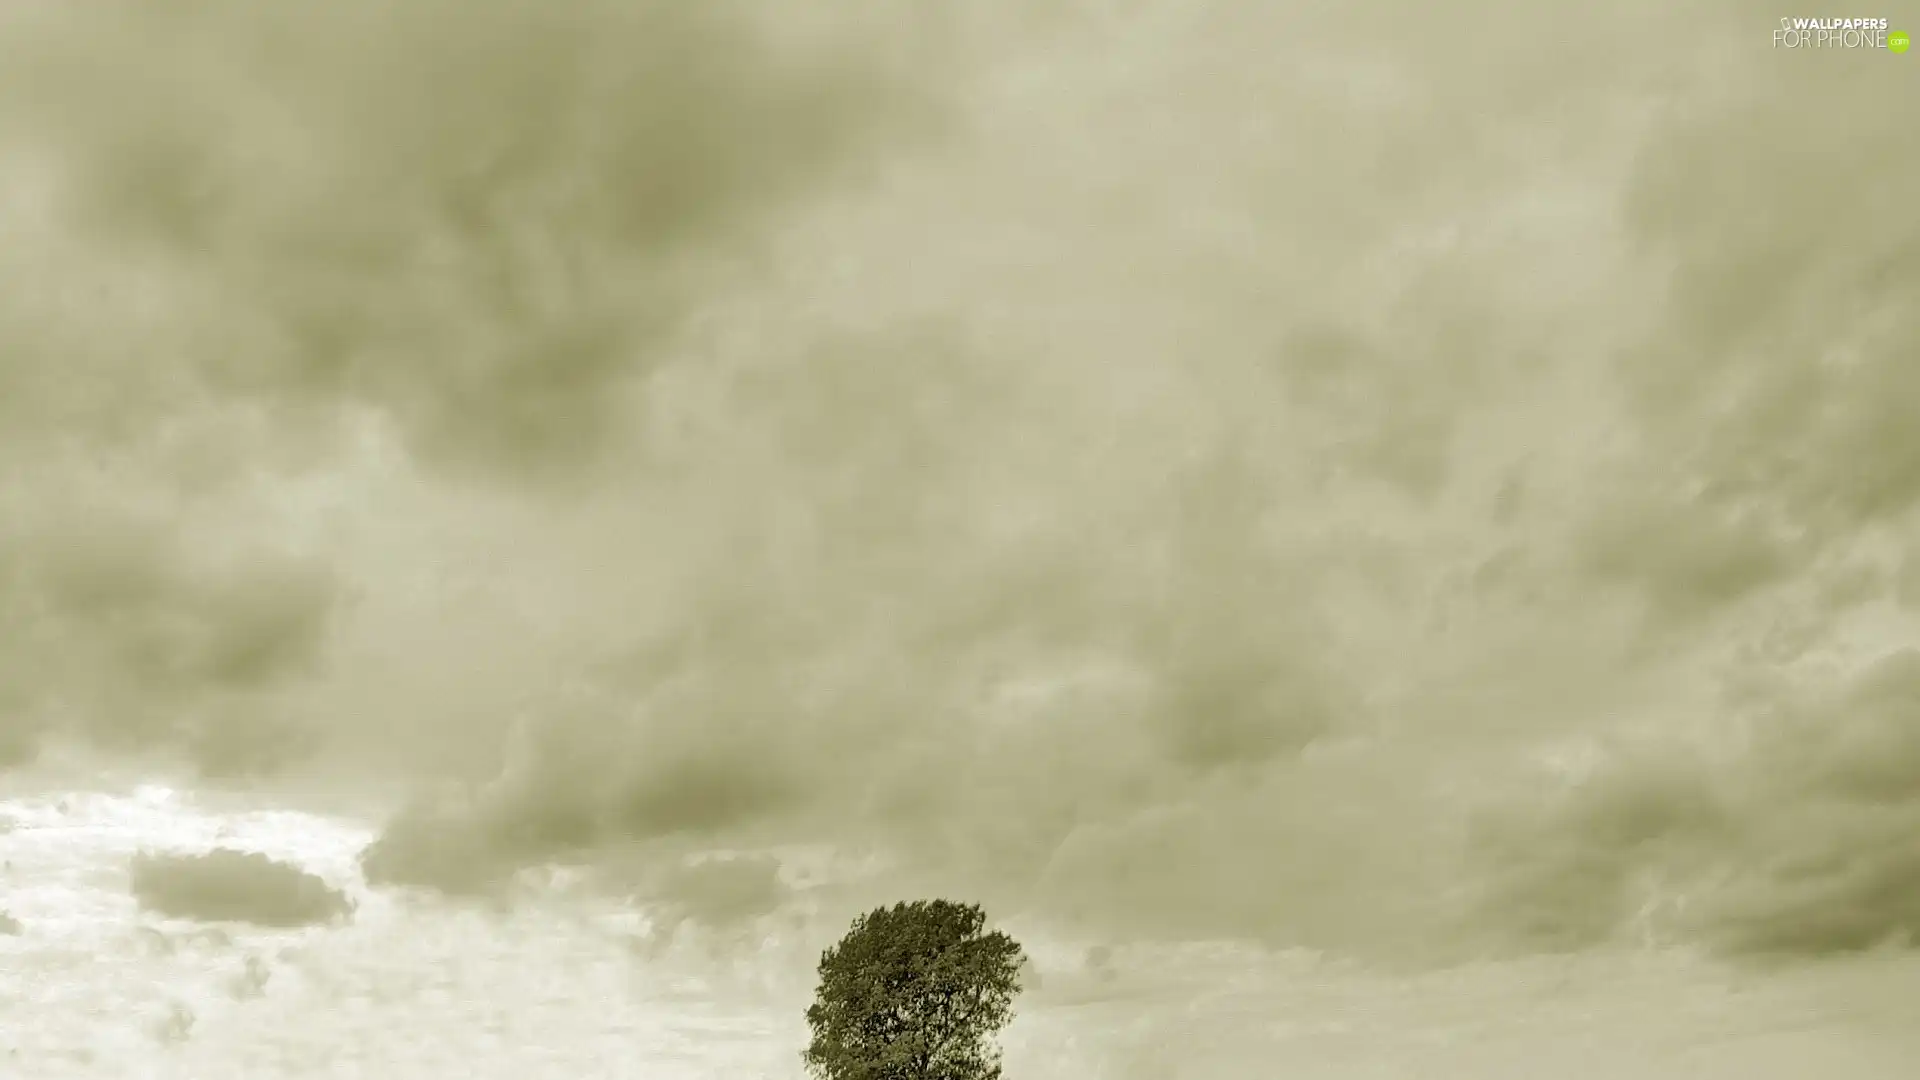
point(1429, 485)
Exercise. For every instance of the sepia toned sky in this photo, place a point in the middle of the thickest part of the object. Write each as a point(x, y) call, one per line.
point(1425, 483)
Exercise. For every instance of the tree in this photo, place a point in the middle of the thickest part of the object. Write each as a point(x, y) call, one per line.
point(914, 992)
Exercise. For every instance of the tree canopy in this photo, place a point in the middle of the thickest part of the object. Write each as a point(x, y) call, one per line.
point(914, 992)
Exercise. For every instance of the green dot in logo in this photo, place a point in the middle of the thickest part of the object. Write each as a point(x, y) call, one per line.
point(1898, 41)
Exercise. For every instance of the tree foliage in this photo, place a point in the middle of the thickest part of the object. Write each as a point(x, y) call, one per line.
point(914, 992)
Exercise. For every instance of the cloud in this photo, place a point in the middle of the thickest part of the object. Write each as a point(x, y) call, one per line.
point(726, 899)
point(1176, 474)
point(1572, 873)
point(724, 890)
point(1832, 872)
point(1794, 846)
point(1184, 610)
point(226, 885)
point(484, 222)
point(1767, 381)
point(279, 238)
point(139, 639)
point(1761, 495)
point(881, 690)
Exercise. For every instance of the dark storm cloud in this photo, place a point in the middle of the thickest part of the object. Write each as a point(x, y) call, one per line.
point(484, 220)
point(1105, 593)
point(225, 885)
point(1176, 499)
point(243, 239)
point(808, 696)
point(1568, 874)
point(1772, 381)
point(136, 639)
point(723, 894)
point(1768, 475)
point(1799, 845)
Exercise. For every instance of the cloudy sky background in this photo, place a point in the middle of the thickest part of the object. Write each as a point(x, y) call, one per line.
point(1431, 488)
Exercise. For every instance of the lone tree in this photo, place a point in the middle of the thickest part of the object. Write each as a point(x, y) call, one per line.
point(914, 992)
